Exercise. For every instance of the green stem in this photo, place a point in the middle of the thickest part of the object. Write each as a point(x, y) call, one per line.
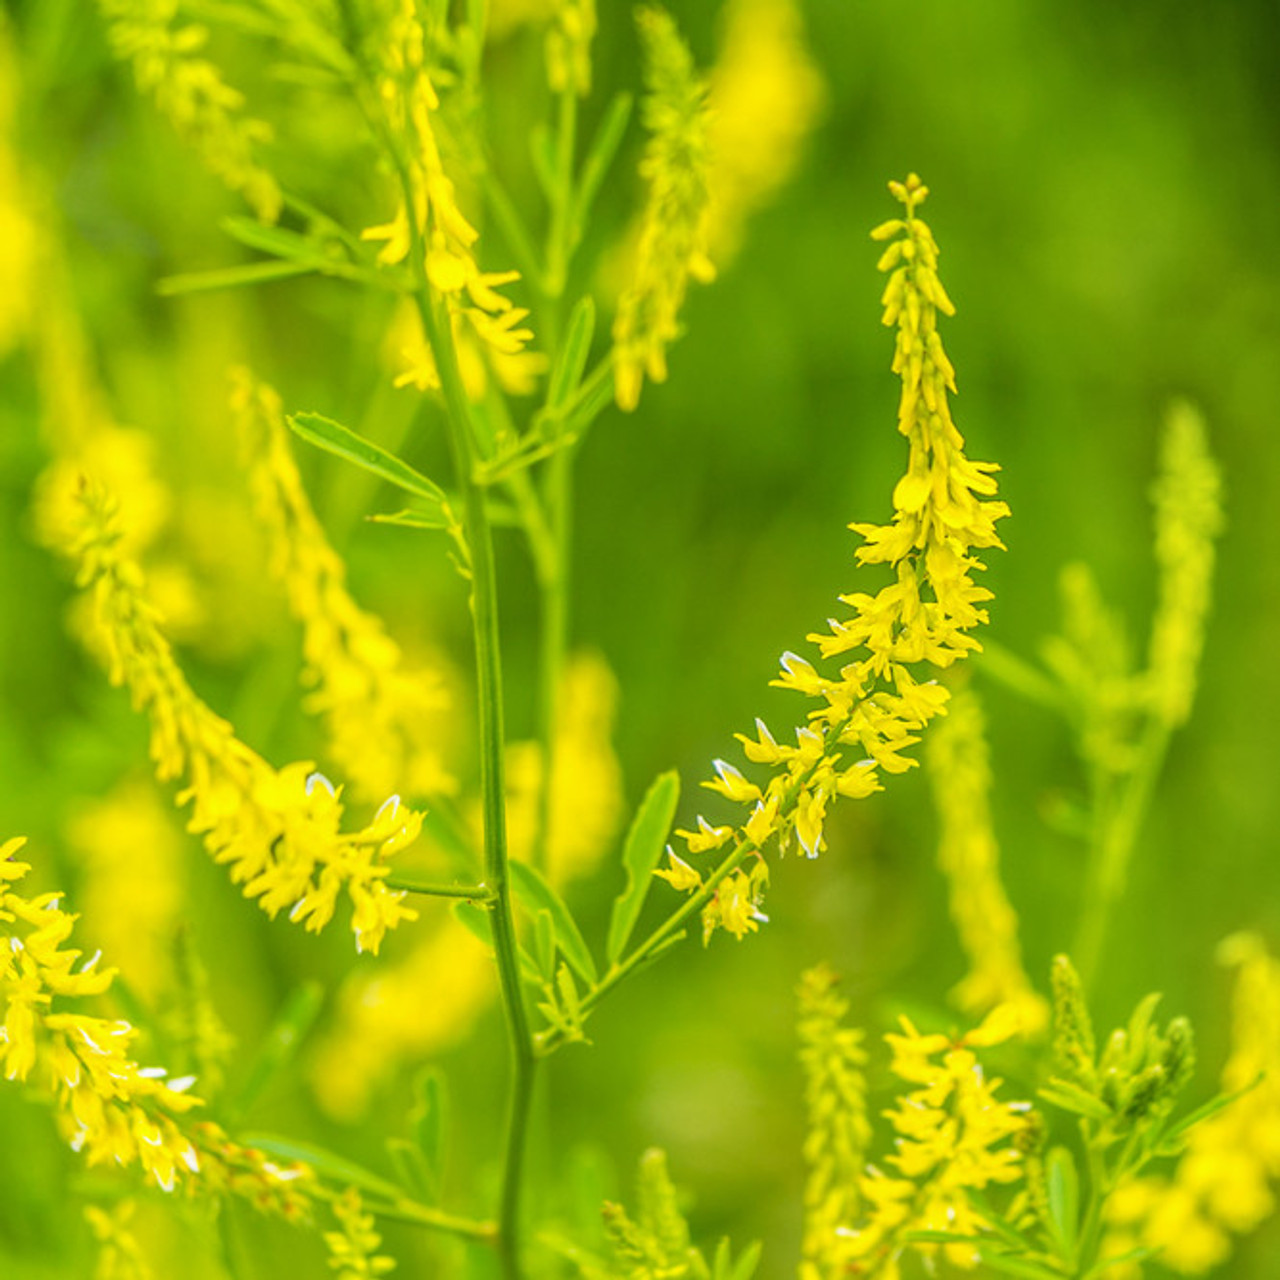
point(431, 889)
point(484, 608)
point(557, 493)
point(422, 1215)
point(1116, 834)
point(549, 1041)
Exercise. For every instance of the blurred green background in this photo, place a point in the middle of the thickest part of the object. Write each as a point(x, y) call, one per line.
point(1106, 191)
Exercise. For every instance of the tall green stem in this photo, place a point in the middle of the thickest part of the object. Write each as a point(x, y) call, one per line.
point(557, 493)
point(1116, 826)
point(484, 609)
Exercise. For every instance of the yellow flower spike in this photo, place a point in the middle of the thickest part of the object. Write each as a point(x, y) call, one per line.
point(204, 110)
point(838, 1132)
point(411, 105)
point(766, 95)
point(875, 709)
point(278, 830)
point(382, 717)
point(672, 249)
point(960, 774)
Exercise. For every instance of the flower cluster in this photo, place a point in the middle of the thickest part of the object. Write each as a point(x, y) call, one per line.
point(954, 1136)
point(190, 90)
point(353, 1250)
point(278, 830)
point(766, 94)
point(109, 1108)
point(673, 235)
point(875, 707)
point(410, 103)
point(1222, 1183)
point(838, 1133)
point(378, 714)
point(959, 770)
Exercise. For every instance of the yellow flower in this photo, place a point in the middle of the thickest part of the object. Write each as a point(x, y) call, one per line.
point(765, 96)
point(673, 237)
point(953, 1136)
point(382, 718)
point(411, 105)
point(873, 709)
point(960, 773)
point(1223, 1181)
point(109, 1108)
point(353, 1250)
point(277, 830)
point(838, 1132)
point(190, 91)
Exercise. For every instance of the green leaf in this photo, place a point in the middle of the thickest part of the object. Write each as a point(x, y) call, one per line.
point(413, 518)
point(940, 1237)
point(279, 1046)
point(333, 437)
point(1169, 1140)
point(1009, 1265)
point(544, 945)
point(1062, 1191)
point(326, 1163)
point(537, 895)
point(600, 155)
point(411, 1169)
point(640, 856)
point(277, 241)
point(1070, 1097)
point(428, 1123)
point(748, 1261)
point(231, 277)
point(572, 360)
point(1140, 1254)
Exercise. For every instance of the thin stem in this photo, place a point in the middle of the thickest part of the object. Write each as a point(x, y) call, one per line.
point(422, 1215)
point(484, 608)
point(557, 491)
point(430, 889)
point(1116, 834)
point(549, 1041)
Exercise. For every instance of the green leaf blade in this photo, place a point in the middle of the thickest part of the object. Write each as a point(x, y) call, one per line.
point(641, 853)
point(537, 895)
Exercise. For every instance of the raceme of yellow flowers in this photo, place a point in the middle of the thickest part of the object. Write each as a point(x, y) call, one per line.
point(278, 830)
point(380, 717)
point(1222, 1183)
point(838, 1133)
point(409, 101)
point(874, 708)
point(191, 92)
point(108, 1107)
point(959, 771)
point(674, 230)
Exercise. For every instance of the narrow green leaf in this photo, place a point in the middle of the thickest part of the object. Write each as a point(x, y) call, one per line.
point(600, 156)
point(1140, 1254)
point(333, 437)
point(279, 1046)
point(640, 855)
point(413, 519)
point(1062, 1192)
point(544, 945)
point(543, 154)
point(411, 1169)
point(326, 1163)
point(1070, 1097)
point(940, 1237)
point(277, 241)
point(1009, 1265)
point(537, 895)
point(748, 1261)
point(567, 374)
point(231, 277)
point(1211, 1108)
point(428, 1123)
